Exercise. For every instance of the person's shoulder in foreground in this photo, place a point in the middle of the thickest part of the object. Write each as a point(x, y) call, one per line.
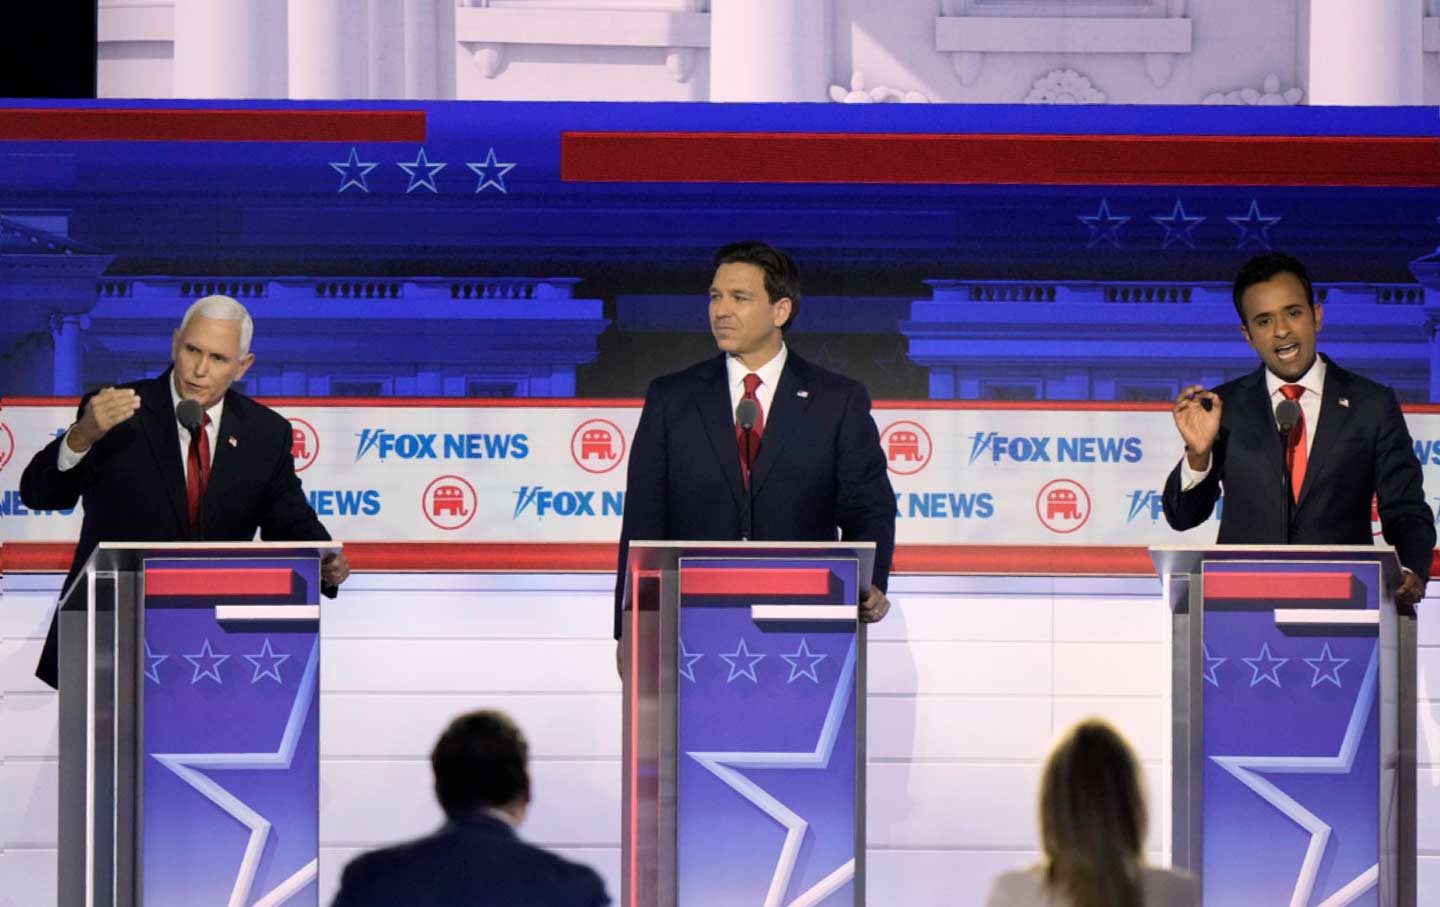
point(1024, 887)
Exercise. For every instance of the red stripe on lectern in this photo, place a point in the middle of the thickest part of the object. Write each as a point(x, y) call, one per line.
point(1148, 160)
point(754, 581)
point(140, 125)
point(218, 582)
point(1281, 586)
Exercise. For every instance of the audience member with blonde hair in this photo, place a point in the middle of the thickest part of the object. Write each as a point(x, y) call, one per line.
point(1092, 829)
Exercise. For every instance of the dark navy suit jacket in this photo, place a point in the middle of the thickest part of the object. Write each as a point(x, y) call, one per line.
point(1361, 449)
point(475, 862)
point(132, 484)
point(820, 474)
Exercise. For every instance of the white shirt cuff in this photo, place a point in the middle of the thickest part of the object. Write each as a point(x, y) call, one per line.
point(68, 458)
point(1189, 478)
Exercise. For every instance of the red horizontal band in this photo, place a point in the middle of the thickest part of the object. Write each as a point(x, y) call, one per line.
point(218, 582)
point(1072, 160)
point(82, 124)
point(1279, 586)
point(799, 581)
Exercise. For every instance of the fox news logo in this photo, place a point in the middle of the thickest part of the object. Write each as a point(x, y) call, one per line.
point(344, 501)
point(1427, 452)
point(1053, 449)
point(543, 502)
point(436, 446)
point(11, 505)
point(945, 505)
point(1147, 502)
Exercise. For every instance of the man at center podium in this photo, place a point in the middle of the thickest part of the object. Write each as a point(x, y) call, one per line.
point(758, 423)
point(1345, 440)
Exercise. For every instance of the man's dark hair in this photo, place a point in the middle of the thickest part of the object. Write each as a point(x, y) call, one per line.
point(1265, 267)
point(782, 278)
point(480, 761)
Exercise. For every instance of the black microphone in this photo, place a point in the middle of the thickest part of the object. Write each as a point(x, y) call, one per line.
point(1287, 416)
point(747, 413)
point(191, 415)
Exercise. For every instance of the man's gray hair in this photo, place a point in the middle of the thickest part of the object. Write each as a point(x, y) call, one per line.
point(222, 308)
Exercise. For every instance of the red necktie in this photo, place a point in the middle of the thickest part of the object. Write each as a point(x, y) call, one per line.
point(197, 468)
point(1295, 455)
point(747, 457)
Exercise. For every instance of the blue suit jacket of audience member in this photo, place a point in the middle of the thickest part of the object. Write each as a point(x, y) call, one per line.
point(477, 862)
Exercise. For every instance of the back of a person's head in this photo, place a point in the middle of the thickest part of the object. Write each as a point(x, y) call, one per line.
point(1092, 818)
point(479, 762)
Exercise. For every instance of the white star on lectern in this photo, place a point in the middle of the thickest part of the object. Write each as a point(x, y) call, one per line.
point(353, 170)
point(1326, 667)
point(188, 765)
point(724, 765)
point(803, 654)
point(152, 661)
point(1247, 768)
point(687, 669)
point(213, 663)
point(1103, 225)
point(1271, 668)
point(484, 169)
point(736, 670)
point(272, 659)
point(1253, 226)
point(422, 180)
point(1211, 663)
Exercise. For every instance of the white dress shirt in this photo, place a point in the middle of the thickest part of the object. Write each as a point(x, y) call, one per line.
point(769, 379)
point(69, 459)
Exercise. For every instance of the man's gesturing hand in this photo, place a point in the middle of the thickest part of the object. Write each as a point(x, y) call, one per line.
point(103, 412)
point(1198, 425)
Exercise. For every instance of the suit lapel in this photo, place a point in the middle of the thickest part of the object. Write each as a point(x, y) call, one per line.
point(1332, 423)
point(162, 433)
point(712, 401)
point(222, 466)
point(786, 410)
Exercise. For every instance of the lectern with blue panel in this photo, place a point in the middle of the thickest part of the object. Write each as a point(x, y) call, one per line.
point(189, 726)
point(744, 724)
point(1294, 725)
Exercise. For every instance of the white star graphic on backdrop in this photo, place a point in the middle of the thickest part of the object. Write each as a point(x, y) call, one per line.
point(424, 180)
point(1326, 667)
point(1103, 225)
point(152, 661)
point(272, 660)
point(1178, 227)
point(804, 654)
point(212, 663)
point(188, 766)
point(1248, 769)
point(1211, 663)
point(1253, 227)
point(688, 659)
point(724, 765)
point(491, 172)
point(353, 171)
point(1265, 666)
point(748, 669)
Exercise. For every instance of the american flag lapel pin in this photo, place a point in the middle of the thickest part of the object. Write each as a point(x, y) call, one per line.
point(1344, 401)
point(805, 394)
point(233, 442)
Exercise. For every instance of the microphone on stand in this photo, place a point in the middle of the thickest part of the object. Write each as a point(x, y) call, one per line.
point(1287, 416)
point(191, 415)
point(747, 413)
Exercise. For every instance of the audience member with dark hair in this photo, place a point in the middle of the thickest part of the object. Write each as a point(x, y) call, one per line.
point(475, 859)
point(1092, 830)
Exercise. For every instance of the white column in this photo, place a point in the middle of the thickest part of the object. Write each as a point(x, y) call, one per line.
point(1363, 53)
point(328, 48)
point(69, 363)
point(770, 50)
point(388, 57)
point(422, 49)
point(230, 49)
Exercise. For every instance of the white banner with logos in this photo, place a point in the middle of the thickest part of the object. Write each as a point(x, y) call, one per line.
point(557, 473)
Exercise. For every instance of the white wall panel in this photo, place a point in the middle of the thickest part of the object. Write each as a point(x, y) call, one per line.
point(959, 667)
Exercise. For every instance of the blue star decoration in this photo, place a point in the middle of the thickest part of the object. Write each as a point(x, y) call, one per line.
point(491, 172)
point(726, 766)
point(1326, 668)
point(1249, 771)
point(190, 768)
point(1265, 666)
point(271, 660)
point(152, 661)
point(742, 653)
point(352, 171)
point(1254, 227)
point(418, 180)
point(212, 663)
point(1178, 226)
point(1103, 225)
point(803, 654)
point(1211, 663)
point(688, 659)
